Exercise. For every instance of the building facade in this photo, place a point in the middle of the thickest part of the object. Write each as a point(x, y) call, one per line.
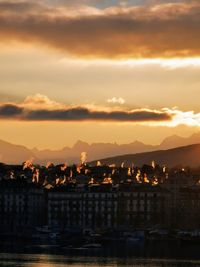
point(103, 206)
point(22, 205)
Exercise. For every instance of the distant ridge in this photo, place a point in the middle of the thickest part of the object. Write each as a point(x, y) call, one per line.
point(96, 151)
point(185, 156)
point(11, 153)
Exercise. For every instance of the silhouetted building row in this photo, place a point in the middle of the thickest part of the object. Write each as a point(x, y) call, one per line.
point(106, 206)
point(98, 206)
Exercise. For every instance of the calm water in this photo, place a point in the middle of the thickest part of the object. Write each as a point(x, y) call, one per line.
point(152, 255)
point(46, 260)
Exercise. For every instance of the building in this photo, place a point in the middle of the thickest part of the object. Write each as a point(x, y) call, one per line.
point(22, 205)
point(143, 206)
point(105, 206)
point(185, 208)
point(64, 207)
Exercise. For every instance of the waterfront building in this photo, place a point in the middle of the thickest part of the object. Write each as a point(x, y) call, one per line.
point(105, 206)
point(22, 205)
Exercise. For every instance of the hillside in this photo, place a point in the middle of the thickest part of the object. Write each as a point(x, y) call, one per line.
point(185, 156)
point(10, 153)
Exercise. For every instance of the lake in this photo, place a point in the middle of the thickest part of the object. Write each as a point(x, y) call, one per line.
point(47, 260)
point(153, 254)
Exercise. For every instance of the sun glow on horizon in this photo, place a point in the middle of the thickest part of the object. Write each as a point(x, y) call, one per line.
point(167, 63)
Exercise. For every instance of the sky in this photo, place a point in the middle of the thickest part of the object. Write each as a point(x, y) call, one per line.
point(98, 71)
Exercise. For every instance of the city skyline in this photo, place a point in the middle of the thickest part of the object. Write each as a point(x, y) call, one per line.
point(99, 71)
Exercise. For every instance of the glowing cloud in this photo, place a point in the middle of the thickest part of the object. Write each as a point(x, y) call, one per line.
point(116, 100)
point(41, 102)
point(188, 118)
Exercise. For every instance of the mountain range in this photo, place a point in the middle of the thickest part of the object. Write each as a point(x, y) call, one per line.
point(11, 153)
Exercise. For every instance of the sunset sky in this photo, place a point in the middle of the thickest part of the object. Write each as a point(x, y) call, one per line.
point(98, 71)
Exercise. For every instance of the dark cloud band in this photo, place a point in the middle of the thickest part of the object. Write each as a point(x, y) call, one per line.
point(10, 111)
point(81, 114)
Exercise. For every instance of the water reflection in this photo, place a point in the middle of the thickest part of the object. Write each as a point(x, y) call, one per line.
point(46, 260)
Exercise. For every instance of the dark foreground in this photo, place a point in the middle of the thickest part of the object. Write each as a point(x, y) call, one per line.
point(153, 254)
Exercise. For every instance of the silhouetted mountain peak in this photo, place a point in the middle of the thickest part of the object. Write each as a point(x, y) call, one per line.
point(80, 145)
point(138, 143)
point(176, 141)
point(172, 141)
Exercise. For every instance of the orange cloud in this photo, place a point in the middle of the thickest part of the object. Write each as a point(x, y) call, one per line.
point(164, 30)
point(41, 102)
